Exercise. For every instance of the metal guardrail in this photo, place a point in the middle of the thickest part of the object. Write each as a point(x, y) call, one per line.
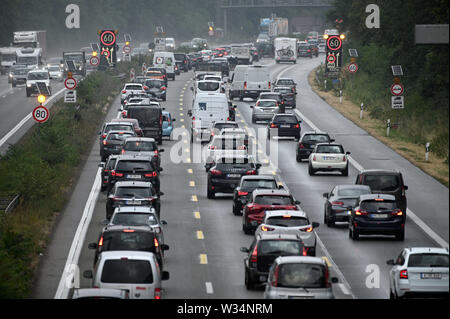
point(276, 3)
point(7, 204)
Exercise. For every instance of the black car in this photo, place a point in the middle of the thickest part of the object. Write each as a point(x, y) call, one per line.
point(144, 146)
point(181, 60)
point(247, 185)
point(132, 194)
point(138, 238)
point(226, 172)
point(106, 170)
point(263, 252)
point(289, 97)
point(110, 126)
point(307, 143)
point(150, 120)
point(113, 143)
point(265, 49)
point(159, 73)
point(385, 182)
point(304, 50)
point(340, 201)
point(274, 96)
point(156, 88)
point(284, 125)
point(286, 82)
point(377, 214)
point(195, 59)
point(134, 168)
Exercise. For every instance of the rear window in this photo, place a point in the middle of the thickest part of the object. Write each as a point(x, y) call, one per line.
point(267, 104)
point(283, 91)
point(134, 219)
point(145, 115)
point(208, 86)
point(285, 82)
point(118, 128)
point(111, 163)
point(118, 136)
point(356, 192)
point(270, 96)
point(133, 87)
point(213, 78)
point(428, 260)
point(280, 247)
point(254, 184)
point(291, 221)
point(273, 200)
point(330, 149)
point(138, 146)
point(135, 240)
point(382, 182)
point(374, 206)
point(236, 166)
point(137, 192)
point(285, 119)
point(125, 271)
point(131, 165)
point(179, 56)
point(302, 276)
point(154, 83)
point(221, 126)
point(228, 143)
point(317, 138)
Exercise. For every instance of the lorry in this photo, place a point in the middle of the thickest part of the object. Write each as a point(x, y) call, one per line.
point(242, 54)
point(285, 50)
point(79, 60)
point(7, 58)
point(31, 39)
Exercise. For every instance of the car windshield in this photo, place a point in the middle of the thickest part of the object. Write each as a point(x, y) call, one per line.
point(280, 247)
point(287, 221)
point(137, 192)
point(139, 146)
point(134, 219)
point(316, 138)
point(285, 119)
point(127, 271)
point(330, 149)
point(356, 192)
point(382, 182)
point(19, 71)
point(119, 136)
point(38, 76)
point(428, 260)
point(305, 275)
point(270, 96)
point(137, 166)
point(54, 68)
point(374, 206)
point(274, 200)
point(267, 104)
point(76, 57)
point(128, 240)
point(208, 86)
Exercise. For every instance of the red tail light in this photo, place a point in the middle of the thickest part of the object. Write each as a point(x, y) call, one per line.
point(265, 228)
point(397, 212)
point(314, 158)
point(156, 153)
point(154, 174)
point(160, 120)
point(251, 172)
point(272, 125)
point(337, 203)
point(158, 293)
point(105, 142)
point(242, 193)
point(254, 257)
point(104, 136)
point(344, 158)
point(297, 126)
point(302, 146)
point(156, 243)
point(100, 242)
point(275, 278)
point(114, 173)
point(145, 88)
point(304, 251)
point(215, 172)
point(245, 85)
point(212, 147)
point(270, 85)
point(163, 88)
point(307, 230)
point(124, 92)
point(360, 212)
point(309, 50)
point(404, 274)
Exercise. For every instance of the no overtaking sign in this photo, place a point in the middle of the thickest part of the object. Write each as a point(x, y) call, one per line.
point(397, 89)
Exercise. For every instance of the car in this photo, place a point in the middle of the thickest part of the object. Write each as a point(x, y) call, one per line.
point(328, 157)
point(134, 168)
point(168, 126)
point(113, 143)
point(137, 128)
point(165, 60)
point(156, 88)
point(95, 293)
point(136, 271)
point(194, 59)
point(263, 251)
point(256, 81)
point(263, 200)
point(223, 146)
point(247, 185)
point(286, 82)
point(307, 143)
point(143, 146)
point(264, 110)
point(284, 125)
point(131, 88)
point(224, 65)
point(291, 222)
point(385, 182)
point(182, 62)
point(150, 119)
point(233, 131)
point(340, 201)
point(376, 214)
point(130, 193)
point(304, 49)
point(35, 76)
point(157, 73)
point(298, 277)
point(18, 75)
point(287, 95)
point(273, 96)
point(226, 172)
point(106, 170)
point(314, 47)
point(206, 86)
point(419, 272)
point(113, 126)
point(218, 126)
point(55, 71)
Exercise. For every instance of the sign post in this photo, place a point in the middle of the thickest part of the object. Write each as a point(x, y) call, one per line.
point(427, 151)
point(388, 128)
point(132, 75)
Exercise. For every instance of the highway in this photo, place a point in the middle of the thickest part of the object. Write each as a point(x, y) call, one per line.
point(204, 260)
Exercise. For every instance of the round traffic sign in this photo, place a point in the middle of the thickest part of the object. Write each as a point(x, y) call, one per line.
point(94, 60)
point(126, 49)
point(106, 53)
point(353, 67)
point(159, 60)
point(334, 43)
point(41, 114)
point(70, 83)
point(397, 89)
point(108, 38)
point(331, 58)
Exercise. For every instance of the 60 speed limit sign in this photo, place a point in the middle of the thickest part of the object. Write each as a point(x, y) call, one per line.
point(41, 114)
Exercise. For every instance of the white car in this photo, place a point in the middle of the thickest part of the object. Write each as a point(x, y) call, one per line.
point(328, 157)
point(55, 71)
point(131, 89)
point(223, 146)
point(35, 76)
point(419, 271)
point(290, 222)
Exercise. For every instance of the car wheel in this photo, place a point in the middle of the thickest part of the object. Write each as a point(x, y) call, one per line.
point(235, 211)
point(345, 171)
point(400, 236)
point(248, 282)
point(246, 229)
point(160, 141)
point(298, 158)
point(210, 193)
point(311, 171)
point(355, 234)
point(330, 222)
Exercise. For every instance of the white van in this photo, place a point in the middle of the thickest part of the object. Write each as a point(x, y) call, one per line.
point(167, 61)
point(256, 80)
point(285, 50)
point(237, 81)
point(207, 109)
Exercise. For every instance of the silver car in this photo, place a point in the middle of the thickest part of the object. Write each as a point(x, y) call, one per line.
point(264, 110)
point(419, 272)
point(294, 277)
point(290, 222)
point(143, 146)
point(137, 272)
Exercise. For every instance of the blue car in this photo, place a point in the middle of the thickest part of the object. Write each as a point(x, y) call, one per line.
point(167, 124)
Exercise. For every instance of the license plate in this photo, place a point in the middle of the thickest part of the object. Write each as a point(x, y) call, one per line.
point(430, 276)
point(301, 297)
point(379, 216)
point(133, 202)
point(285, 126)
point(234, 175)
point(134, 176)
point(328, 158)
point(253, 91)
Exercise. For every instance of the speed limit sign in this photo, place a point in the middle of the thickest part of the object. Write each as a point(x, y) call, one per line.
point(94, 60)
point(41, 114)
point(334, 43)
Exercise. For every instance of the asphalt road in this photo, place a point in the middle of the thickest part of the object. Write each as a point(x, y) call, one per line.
point(204, 260)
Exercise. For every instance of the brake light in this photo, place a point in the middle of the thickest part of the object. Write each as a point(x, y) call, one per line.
point(265, 228)
point(145, 88)
point(304, 252)
point(124, 113)
point(100, 242)
point(397, 212)
point(158, 293)
point(404, 274)
point(337, 203)
point(154, 174)
point(212, 147)
point(160, 120)
point(302, 146)
point(128, 230)
point(251, 172)
point(163, 88)
point(297, 126)
point(123, 151)
point(155, 241)
point(254, 256)
point(242, 193)
point(270, 85)
point(379, 199)
point(275, 278)
point(104, 136)
point(156, 153)
point(241, 148)
point(272, 125)
point(114, 173)
point(360, 212)
point(124, 92)
point(105, 142)
point(344, 158)
point(314, 158)
point(307, 230)
point(245, 85)
point(215, 172)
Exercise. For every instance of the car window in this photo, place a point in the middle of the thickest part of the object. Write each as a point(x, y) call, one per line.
point(285, 82)
point(128, 240)
point(316, 138)
point(228, 143)
point(285, 119)
point(374, 206)
point(280, 247)
point(118, 128)
point(273, 200)
point(127, 271)
point(267, 104)
point(353, 192)
point(133, 87)
point(137, 192)
point(428, 260)
point(154, 83)
point(208, 86)
point(130, 165)
point(134, 219)
point(111, 163)
point(140, 146)
point(291, 221)
point(283, 91)
point(221, 126)
point(254, 184)
point(382, 182)
point(305, 275)
point(38, 76)
point(119, 136)
point(330, 149)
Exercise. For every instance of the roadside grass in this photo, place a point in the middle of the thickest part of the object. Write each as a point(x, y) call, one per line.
point(411, 146)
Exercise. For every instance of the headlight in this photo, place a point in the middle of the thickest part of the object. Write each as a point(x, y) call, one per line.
point(10, 75)
point(28, 85)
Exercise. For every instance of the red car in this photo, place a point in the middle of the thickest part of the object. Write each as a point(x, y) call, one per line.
point(263, 200)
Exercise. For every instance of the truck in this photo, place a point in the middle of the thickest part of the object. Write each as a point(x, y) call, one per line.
point(31, 39)
point(285, 50)
point(31, 58)
point(79, 60)
point(278, 26)
point(242, 54)
point(7, 58)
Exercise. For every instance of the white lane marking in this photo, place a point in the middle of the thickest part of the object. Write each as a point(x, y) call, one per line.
point(409, 214)
point(68, 274)
point(344, 289)
point(209, 288)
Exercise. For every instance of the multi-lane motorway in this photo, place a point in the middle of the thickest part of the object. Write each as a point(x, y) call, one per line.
point(204, 260)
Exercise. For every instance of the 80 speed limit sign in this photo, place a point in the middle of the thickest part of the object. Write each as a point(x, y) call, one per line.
point(41, 114)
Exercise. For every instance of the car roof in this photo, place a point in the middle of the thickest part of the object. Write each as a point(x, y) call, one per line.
point(233, 130)
point(375, 196)
point(380, 171)
point(276, 236)
point(121, 228)
point(329, 144)
point(423, 250)
point(279, 192)
point(133, 183)
point(300, 259)
point(295, 213)
point(124, 121)
point(352, 186)
point(258, 177)
point(118, 123)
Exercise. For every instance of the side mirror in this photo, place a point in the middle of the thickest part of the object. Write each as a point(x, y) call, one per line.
point(390, 262)
point(315, 225)
point(405, 187)
point(347, 153)
point(92, 246)
point(258, 166)
point(164, 223)
point(88, 274)
point(102, 165)
point(280, 186)
point(244, 250)
point(163, 108)
point(161, 150)
point(334, 280)
point(251, 106)
point(165, 275)
point(161, 194)
point(234, 106)
point(297, 202)
point(165, 247)
point(332, 140)
point(325, 195)
point(174, 120)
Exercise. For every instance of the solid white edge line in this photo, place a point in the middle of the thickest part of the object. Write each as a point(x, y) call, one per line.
point(209, 288)
point(67, 276)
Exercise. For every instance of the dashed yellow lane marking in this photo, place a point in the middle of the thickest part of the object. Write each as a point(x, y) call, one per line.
point(181, 114)
point(187, 150)
point(192, 184)
point(203, 259)
point(194, 198)
point(188, 160)
point(200, 235)
point(190, 171)
point(182, 120)
point(197, 215)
